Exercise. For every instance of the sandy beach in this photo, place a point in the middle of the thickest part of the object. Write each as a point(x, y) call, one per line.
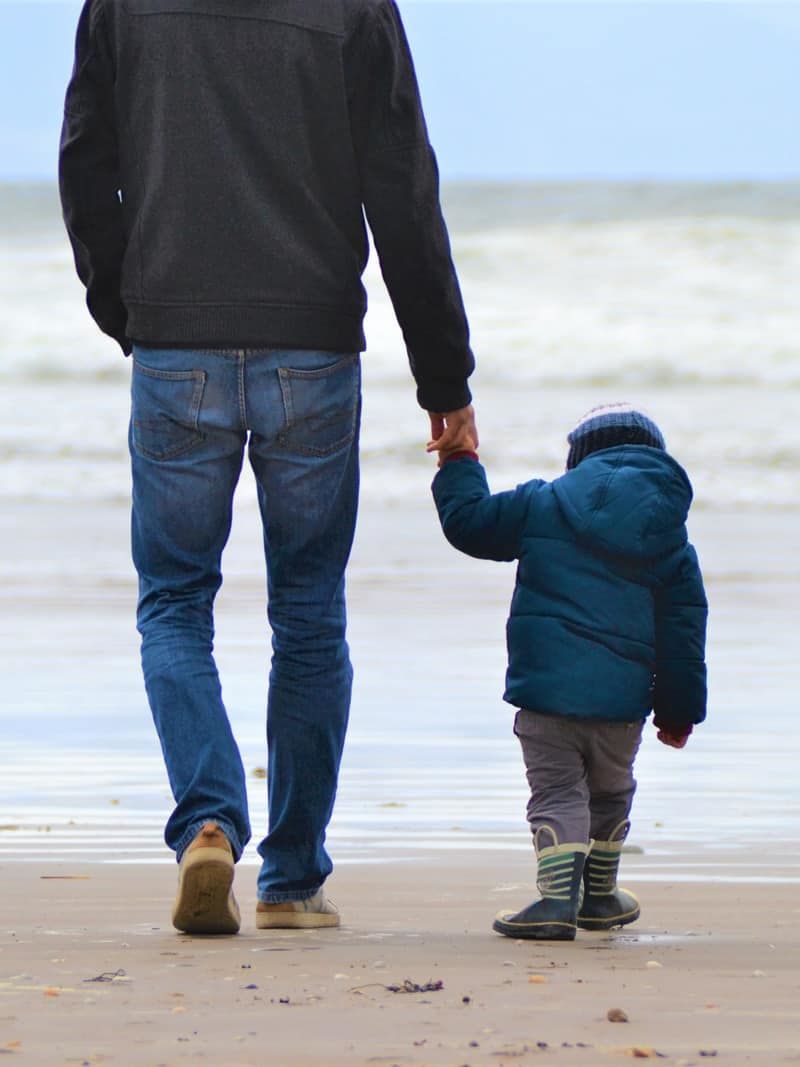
point(91, 972)
point(429, 837)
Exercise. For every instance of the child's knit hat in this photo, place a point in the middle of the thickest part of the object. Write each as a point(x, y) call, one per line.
point(610, 425)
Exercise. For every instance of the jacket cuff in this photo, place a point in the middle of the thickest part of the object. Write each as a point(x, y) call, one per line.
point(439, 397)
point(677, 729)
point(463, 454)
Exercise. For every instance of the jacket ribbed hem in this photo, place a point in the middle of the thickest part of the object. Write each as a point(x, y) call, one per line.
point(442, 397)
point(245, 326)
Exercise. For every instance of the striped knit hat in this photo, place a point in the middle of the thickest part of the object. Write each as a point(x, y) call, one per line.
point(610, 425)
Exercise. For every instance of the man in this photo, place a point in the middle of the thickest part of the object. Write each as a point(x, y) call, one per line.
point(217, 161)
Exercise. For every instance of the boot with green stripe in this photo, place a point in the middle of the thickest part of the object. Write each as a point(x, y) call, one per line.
point(559, 881)
point(604, 904)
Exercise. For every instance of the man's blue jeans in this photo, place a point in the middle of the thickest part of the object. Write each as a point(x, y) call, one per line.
point(298, 413)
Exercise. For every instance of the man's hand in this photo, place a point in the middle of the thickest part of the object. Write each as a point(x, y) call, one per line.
point(453, 431)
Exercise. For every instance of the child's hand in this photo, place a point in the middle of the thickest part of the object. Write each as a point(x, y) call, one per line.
point(673, 737)
point(673, 734)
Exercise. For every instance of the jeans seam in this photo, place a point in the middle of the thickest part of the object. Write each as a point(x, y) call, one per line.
point(315, 374)
point(171, 453)
point(286, 395)
point(240, 369)
point(325, 453)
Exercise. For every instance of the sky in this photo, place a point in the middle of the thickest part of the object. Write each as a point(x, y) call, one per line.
point(524, 89)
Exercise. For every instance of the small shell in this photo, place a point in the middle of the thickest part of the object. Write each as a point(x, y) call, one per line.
point(616, 1015)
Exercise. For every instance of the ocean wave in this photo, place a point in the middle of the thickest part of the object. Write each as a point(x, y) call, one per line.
point(754, 485)
point(651, 375)
point(739, 442)
point(478, 205)
point(521, 362)
point(47, 371)
point(678, 297)
point(30, 207)
point(620, 288)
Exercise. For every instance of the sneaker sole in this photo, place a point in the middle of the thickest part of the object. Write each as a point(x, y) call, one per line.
point(204, 904)
point(295, 920)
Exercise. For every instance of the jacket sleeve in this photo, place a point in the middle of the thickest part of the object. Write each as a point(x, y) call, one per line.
point(400, 192)
point(89, 174)
point(480, 523)
point(680, 673)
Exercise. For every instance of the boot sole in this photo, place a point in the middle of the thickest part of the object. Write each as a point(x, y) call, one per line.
point(608, 924)
point(205, 904)
point(548, 931)
point(295, 920)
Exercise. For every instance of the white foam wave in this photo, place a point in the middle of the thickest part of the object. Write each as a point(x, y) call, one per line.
point(681, 298)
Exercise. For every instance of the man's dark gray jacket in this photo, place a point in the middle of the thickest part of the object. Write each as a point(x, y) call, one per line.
point(217, 161)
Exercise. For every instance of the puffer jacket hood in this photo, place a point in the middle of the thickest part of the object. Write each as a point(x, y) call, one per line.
point(631, 501)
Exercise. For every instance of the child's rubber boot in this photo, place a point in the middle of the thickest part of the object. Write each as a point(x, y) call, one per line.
point(604, 904)
point(559, 881)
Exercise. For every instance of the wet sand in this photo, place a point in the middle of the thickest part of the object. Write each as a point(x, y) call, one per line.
point(91, 972)
point(430, 761)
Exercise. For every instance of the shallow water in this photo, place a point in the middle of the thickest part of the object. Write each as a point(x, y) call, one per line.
point(430, 764)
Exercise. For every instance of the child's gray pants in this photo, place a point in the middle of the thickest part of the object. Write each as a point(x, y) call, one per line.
point(580, 772)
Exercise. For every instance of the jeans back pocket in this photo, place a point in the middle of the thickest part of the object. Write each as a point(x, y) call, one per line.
point(320, 405)
point(165, 408)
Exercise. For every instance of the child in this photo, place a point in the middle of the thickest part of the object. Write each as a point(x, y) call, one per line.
point(607, 622)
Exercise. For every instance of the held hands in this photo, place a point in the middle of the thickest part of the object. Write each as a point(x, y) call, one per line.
point(452, 431)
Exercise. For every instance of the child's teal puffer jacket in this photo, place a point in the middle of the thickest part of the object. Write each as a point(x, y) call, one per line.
point(608, 616)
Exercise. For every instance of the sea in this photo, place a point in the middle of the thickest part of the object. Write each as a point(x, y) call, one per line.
point(679, 297)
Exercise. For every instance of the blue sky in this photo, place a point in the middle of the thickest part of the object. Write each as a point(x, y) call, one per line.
point(560, 89)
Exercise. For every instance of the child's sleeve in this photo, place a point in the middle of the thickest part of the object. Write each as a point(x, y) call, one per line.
point(474, 520)
point(681, 615)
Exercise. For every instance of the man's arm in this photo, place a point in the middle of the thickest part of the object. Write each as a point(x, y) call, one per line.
point(400, 192)
point(89, 174)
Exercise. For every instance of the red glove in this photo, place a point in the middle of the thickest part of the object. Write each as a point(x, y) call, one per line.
point(673, 734)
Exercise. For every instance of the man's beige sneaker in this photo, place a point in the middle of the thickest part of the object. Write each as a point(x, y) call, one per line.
point(205, 903)
point(308, 914)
